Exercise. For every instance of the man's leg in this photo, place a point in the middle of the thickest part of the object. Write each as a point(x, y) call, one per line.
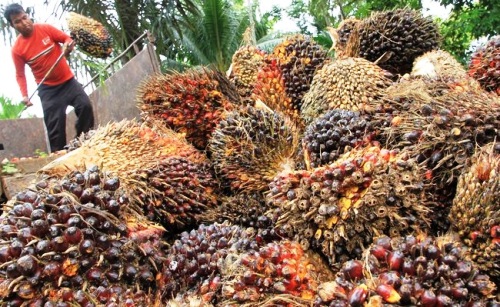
point(83, 108)
point(54, 116)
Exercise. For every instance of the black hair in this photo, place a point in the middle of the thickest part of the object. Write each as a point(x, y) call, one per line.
point(12, 9)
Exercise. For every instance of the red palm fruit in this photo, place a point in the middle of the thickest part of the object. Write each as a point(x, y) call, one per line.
point(353, 270)
point(428, 299)
point(388, 293)
point(395, 260)
point(358, 295)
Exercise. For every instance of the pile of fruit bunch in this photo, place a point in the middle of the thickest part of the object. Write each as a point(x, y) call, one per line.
point(393, 39)
point(299, 57)
point(270, 92)
point(250, 146)
point(440, 122)
point(409, 271)
point(484, 65)
point(339, 208)
point(227, 265)
point(163, 174)
point(333, 134)
point(191, 102)
point(475, 214)
point(246, 63)
point(349, 83)
point(78, 240)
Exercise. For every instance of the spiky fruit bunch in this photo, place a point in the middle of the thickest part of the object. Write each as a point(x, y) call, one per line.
point(280, 271)
point(342, 34)
point(90, 35)
point(174, 192)
point(340, 207)
point(335, 133)
point(79, 232)
point(440, 122)
point(409, 271)
point(125, 146)
point(245, 65)
point(475, 213)
point(402, 34)
point(270, 90)
point(484, 65)
point(191, 102)
point(195, 258)
point(437, 64)
point(244, 209)
point(250, 146)
point(349, 83)
point(299, 57)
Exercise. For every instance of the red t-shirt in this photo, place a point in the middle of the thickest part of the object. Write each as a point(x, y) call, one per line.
point(40, 51)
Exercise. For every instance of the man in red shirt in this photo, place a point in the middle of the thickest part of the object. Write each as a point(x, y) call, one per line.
point(38, 46)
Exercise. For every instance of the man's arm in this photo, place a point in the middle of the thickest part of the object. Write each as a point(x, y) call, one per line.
point(21, 78)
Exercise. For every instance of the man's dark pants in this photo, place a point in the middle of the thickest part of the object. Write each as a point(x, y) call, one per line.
point(55, 100)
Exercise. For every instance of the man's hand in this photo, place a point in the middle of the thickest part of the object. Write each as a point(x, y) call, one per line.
point(27, 101)
point(68, 47)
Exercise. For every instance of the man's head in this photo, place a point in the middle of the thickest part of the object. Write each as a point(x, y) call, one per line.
point(17, 17)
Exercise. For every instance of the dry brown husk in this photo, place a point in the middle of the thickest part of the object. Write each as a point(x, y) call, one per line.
point(124, 146)
point(437, 64)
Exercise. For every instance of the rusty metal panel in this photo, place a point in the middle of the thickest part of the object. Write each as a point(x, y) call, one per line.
point(115, 99)
point(22, 137)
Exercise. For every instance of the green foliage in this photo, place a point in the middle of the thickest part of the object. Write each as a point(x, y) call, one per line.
point(456, 36)
point(9, 109)
point(329, 13)
point(9, 168)
point(40, 153)
point(216, 33)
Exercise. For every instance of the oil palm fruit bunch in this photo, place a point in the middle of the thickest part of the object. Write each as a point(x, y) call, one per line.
point(333, 134)
point(484, 65)
point(353, 84)
point(340, 207)
point(174, 192)
point(409, 271)
point(402, 35)
point(250, 146)
point(437, 64)
point(475, 213)
point(244, 209)
point(341, 34)
point(194, 260)
point(125, 146)
point(191, 102)
point(440, 123)
point(278, 273)
point(245, 65)
point(77, 238)
point(270, 91)
point(299, 56)
point(90, 35)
